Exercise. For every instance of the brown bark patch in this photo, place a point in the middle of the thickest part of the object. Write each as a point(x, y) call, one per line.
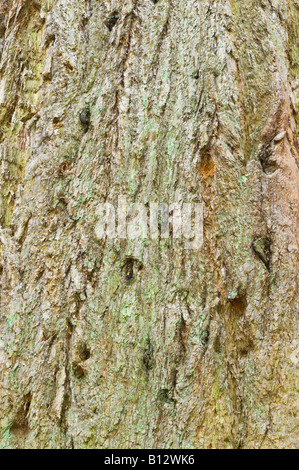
point(207, 167)
point(238, 306)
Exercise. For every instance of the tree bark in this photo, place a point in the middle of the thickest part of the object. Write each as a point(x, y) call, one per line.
point(159, 101)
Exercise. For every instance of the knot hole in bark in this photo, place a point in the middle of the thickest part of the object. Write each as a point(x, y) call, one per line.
point(84, 117)
point(84, 352)
point(79, 371)
point(111, 21)
point(268, 163)
point(131, 266)
point(262, 248)
point(20, 426)
point(129, 270)
point(207, 166)
point(57, 122)
point(238, 305)
point(204, 337)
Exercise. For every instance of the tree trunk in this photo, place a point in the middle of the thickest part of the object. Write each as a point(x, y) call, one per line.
point(121, 343)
